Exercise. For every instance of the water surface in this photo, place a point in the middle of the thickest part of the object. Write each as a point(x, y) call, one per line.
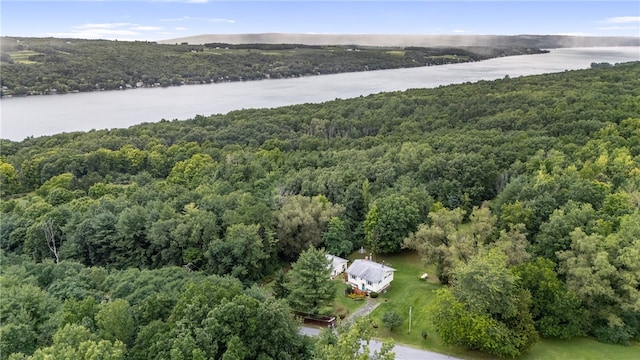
point(51, 114)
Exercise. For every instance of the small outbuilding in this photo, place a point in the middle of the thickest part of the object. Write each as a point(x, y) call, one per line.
point(369, 276)
point(338, 265)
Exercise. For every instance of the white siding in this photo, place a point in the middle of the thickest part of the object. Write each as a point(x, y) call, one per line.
point(365, 285)
point(338, 265)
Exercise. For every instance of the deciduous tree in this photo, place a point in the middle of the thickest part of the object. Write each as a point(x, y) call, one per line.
point(389, 220)
point(391, 320)
point(76, 342)
point(301, 220)
point(485, 309)
point(247, 328)
point(555, 310)
point(351, 342)
point(116, 322)
point(605, 275)
point(446, 243)
point(241, 254)
point(514, 244)
point(336, 239)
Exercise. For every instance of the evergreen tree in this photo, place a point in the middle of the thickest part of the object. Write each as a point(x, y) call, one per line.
point(280, 290)
point(310, 285)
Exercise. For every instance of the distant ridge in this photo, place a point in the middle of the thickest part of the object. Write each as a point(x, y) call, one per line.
point(538, 41)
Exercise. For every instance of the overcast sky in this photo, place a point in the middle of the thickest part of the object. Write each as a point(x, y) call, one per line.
point(166, 19)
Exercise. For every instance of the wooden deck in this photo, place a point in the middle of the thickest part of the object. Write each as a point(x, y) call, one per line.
point(316, 320)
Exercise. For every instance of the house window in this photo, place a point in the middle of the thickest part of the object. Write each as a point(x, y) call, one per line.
point(369, 283)
point(353, 277)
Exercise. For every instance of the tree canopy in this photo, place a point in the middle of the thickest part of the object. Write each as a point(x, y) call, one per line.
point(310, 285)
point(54, 65)
point(160, 226)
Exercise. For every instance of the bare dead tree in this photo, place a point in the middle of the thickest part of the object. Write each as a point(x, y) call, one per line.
point(50, 236)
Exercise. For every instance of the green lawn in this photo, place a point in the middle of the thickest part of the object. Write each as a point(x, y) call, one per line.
point(408, 291)
point(450, 57)
point(396, 52)
point(22, 56)
point(583, 349)
point(343, 304)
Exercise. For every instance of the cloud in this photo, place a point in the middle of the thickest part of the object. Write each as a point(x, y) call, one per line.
point(146, 28)
point(100, 32)
point(149, 1)
point(220, 20)
point(113, 30)
point(181, 28)
point(620, 23)
point(101, 26)
point(573, 34)
point(622, 19)
point(617, 27)
point(177, 19)
point(94, 34)
point(183, 1)
point(188, 18)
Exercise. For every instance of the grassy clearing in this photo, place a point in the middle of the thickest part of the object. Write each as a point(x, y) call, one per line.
point(396, 52)
point(407, 290)
point(22, 56)
point(583, 348)
point(450, 57)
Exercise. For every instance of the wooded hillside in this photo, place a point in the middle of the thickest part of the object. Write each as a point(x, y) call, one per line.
point(34, 66)
point(535, 180)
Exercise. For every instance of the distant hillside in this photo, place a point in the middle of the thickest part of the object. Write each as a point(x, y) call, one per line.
point(33, 66)
point(537, 41)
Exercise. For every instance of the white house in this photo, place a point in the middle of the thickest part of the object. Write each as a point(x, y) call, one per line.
point(367, 275)
point(338, 265)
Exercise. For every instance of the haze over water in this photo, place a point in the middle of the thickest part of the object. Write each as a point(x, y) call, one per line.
point(48, 115)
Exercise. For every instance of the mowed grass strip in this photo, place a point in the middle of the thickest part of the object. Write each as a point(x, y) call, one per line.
point(396, 52)
point(22, 56)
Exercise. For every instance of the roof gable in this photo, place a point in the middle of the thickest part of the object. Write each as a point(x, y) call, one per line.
point(336, 260)
point(369, 270)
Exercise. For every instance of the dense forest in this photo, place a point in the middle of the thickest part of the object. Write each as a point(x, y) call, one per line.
point(52, 65)
point(143, 242)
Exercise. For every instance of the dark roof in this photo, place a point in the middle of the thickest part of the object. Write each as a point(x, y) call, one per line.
point(368, 270)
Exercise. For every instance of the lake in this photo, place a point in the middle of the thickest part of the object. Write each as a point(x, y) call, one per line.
point(46, 115)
